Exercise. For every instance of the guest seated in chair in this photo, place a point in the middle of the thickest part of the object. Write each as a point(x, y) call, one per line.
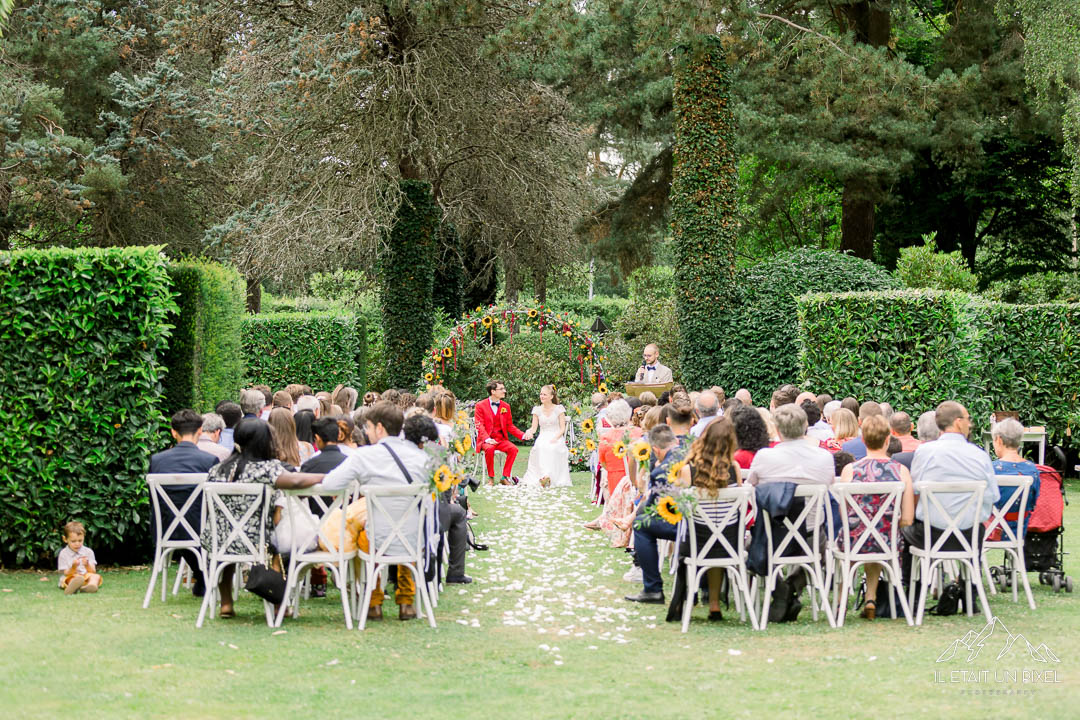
point(662, 441)
point(185, 457)
point(1008, 436)
point(377, 464)
point(951, 458)
point(876, 467)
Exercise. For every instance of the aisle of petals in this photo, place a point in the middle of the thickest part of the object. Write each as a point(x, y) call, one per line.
point(547, 575)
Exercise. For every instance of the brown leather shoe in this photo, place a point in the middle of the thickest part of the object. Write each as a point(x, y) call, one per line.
point(374, 612)
point(505, 481)
point(406, 612)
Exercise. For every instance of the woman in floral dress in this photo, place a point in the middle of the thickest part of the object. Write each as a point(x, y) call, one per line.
point(876, 467)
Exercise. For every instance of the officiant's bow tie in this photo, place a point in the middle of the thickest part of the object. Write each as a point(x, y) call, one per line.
point(650, 367)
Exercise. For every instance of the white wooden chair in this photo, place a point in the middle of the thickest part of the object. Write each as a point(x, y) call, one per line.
point(389, 542)
point(304, 551)
point(850, 556)
point(928, 561)
point(806, 555)
point(730, 507)
point(170, 538)
point(1010, 541)
point(220, 556)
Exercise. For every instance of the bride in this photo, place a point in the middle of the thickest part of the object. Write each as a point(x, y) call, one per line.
point(549, 461)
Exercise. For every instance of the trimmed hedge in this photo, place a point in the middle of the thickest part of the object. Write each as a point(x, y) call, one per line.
point(81, 335)
point(759, 349)
point(916, 349)
point(317, 350)
point(204, 359)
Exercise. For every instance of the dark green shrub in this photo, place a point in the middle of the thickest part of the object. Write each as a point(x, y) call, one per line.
point(318, 350)
point(604, 306)
point(656, 281)
point(1045, 287)
point(758, 349)
point(916, 349)
point(346, 288)
point(81, 333)
point(407, 271)
point(205, 360)
point(922, 266)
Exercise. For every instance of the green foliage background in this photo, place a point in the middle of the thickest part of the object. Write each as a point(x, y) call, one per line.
point(82, 336)
point(407, 271)
point(319, 350)
point(917, 348)
point(205, 359)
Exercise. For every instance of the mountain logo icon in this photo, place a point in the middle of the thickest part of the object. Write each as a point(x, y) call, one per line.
point(995, 637)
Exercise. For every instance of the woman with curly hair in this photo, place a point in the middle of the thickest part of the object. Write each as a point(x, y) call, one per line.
point(710, 467)
point(751, 433)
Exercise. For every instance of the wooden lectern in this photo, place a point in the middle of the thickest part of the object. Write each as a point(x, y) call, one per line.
point(657, 389)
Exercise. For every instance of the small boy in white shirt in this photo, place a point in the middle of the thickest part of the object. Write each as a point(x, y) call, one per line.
point(77, 563)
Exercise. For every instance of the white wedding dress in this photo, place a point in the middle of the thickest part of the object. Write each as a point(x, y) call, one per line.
point(547, 458)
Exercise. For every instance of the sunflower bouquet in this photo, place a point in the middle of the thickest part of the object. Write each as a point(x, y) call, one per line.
point(670, 507)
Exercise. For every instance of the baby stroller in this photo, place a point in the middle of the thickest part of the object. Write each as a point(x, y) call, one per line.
point(1043, 550)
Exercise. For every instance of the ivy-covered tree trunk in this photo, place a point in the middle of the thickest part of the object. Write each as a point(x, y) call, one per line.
point(703, 203)
point(407, 273)
point(448, 291)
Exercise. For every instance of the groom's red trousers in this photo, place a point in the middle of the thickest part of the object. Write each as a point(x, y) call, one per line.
point(504, 446)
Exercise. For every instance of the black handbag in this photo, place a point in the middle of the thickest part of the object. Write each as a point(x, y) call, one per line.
point(267, 583)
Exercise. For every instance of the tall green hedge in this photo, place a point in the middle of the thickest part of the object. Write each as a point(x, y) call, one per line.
point(407, 272)
point(205, 361)
point(81, 337)
point(917, 348)
point(317, 350)
point(758, 348)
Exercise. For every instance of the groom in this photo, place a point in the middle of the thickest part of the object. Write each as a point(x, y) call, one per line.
point(493, 422)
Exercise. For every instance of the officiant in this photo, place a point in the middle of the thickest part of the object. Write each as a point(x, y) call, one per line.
point(651, 371)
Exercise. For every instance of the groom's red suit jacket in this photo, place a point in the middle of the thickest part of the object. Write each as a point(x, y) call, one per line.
point(493, 425)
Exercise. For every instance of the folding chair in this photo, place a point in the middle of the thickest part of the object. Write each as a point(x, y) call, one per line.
point(304, 550)
point(850, 556)
point(220, 555)
point(730, 507)
point(968, 558)
point(390, 509)
point(169, 539)
point(1009, 540)
point(806, 555)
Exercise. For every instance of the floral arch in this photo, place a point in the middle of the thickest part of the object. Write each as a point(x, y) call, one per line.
point(511, 319)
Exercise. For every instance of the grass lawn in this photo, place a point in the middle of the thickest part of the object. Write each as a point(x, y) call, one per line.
point(542, 633)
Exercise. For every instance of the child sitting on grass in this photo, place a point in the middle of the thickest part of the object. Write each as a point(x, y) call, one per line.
point(77, 562)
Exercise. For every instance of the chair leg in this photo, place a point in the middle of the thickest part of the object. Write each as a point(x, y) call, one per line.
point(181, 573)
point(369, 584)
point(965, 572)
point(986, 573)
point(691, 589)
point(341, 575)
point(770, 583)
point(982, 595)
point(1021, 571)
point(153, 579)
point(210, 595)
point(923, 587)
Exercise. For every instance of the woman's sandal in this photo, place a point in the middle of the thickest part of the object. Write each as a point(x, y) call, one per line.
point(869, 610)
point(230, 613)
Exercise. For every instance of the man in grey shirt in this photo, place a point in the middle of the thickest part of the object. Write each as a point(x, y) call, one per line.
point(951, 458)
point(375, 465)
